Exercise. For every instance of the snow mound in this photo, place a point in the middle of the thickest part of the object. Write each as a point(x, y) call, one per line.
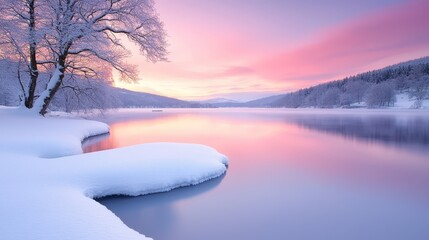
point(51, 198)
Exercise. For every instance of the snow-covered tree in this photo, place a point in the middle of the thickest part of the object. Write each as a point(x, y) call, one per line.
point(83, 34)
point(19, 38)
point(356, 89)
point(80, 94)
point(10, 89)
point(330, 98)
point(86, 38)
point(419, 90)
point(313, 97)
point(380, 95)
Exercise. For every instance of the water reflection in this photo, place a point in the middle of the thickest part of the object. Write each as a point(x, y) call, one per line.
point(292, 175)
point(409, 132)
point(163, 215)
point(409, 129)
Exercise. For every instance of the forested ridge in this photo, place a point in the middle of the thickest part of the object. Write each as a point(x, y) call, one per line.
point(376, 88)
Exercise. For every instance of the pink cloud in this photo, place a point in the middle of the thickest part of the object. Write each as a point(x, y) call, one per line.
point(399, 30)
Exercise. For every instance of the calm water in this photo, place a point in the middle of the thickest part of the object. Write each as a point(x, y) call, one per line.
point(292, 175)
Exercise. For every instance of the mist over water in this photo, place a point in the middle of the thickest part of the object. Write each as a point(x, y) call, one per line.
point(293, 174)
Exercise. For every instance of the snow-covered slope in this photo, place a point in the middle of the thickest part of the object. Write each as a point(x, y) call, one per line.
point(403, 101)
point(51, 198)
point(376, 88)
point(264, 102)
point(127, 98)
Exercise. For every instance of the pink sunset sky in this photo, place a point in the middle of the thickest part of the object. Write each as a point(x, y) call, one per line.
point(246, 49)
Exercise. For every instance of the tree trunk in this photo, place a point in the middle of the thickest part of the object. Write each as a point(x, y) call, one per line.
point(34, 73)
point(32, 87)
point(42, 103)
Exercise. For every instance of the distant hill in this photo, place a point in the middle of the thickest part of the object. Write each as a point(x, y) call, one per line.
point(127, 99)
point(378, 88)
point(264, 102)
point(217, 103)
point(218, 100)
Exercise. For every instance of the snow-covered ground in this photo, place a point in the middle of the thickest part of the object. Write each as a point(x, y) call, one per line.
point(403, 101)
point(47, 185)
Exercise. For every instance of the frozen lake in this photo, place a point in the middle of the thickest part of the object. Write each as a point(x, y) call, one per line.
point(293, 174)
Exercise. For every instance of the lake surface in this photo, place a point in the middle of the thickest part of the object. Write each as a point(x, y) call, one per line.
point(293, 174)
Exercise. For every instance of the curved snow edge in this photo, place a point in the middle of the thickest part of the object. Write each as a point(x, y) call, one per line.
point(143, 169)
point(149, 192)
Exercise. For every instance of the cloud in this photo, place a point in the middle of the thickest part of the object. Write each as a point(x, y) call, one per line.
point(398, 30)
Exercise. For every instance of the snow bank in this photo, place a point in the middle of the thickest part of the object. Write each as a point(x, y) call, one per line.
point(51, 198)
point(403, 101)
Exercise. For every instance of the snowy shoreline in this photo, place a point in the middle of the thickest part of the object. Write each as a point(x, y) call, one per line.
point(48, 186)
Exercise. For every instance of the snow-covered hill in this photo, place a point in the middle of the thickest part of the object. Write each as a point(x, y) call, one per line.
point(403, 85)
point(128, 99)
